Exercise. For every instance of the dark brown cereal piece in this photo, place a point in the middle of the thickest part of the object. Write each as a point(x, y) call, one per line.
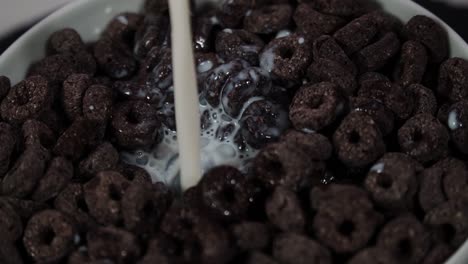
point(135, 91)
point(180, 219)
point(315, 106)
point(448, 223)
point(358, 140)
point(326, 47)
point(430, 33)
point(238, 44)
point(263, 122)
point(160, 249)
point(204, 28)
point(386, 22)
point(65, 40)
point(357, 34)
point(375, 109)
point(290, 248)
point(315, 145)
point(78, 139)
point(373, 255)
point(103, 195)
point(457, 118)
point(345, 8)
point(284, 211)
point(431, 193)
point(37, 133)
point(313, 24)
point(134, 173)
point(74, 89)
point(378, 87)
point(251, 235)
point(135, 124)
point(412, 64)
point(268, 19)
point(113, 244)
point(123, 27)
point(56, 178)
point(405, 238)
point(114, 58)
point(345, 229)
point(423, 138)
point(392, 182)
point(424, 99)
point(48, 236)
point(438, 254)
point(143, 207)
point(104, 157)
point(287, 58)
point(25, 208)
point(160, 70)
point(443, 112)
point(156, 6)
point(248, 83)
point(453, 80)
point(71, 201)
point(9, 253)
point(225, 193)
point(151, 35)
point(280, 164)
point(260, 258)
point(231, 13)
point(28, 99)
point(11, 227)
point(455, 182)
point(97, 103)
point(58, 67)
point(211, 240)
point(378, 54)
point(26, 172)
point(5, 86)
point(8, 141)
point(324, 196)
point(215, 81)
point(325, 70)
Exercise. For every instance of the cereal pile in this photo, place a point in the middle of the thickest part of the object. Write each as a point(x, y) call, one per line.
point(356, 125)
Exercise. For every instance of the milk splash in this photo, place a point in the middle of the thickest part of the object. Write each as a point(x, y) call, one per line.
point(218, 142)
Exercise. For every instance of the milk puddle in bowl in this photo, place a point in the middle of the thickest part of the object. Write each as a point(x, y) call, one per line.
point(221, 143)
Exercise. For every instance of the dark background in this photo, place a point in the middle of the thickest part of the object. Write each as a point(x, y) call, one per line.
point(457, 18)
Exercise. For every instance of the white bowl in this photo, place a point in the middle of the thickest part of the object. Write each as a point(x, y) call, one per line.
point(89, 17)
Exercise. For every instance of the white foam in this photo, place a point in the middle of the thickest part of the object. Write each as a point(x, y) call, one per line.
point(453, 121)
point(227, 30)
point(162, 162)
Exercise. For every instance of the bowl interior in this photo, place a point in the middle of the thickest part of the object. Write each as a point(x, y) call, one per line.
point(89, 17)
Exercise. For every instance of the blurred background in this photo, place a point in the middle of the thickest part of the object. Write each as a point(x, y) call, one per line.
point(16, 16)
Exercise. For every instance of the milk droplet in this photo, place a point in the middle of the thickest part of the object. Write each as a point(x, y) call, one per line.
point(267, 60)
point(91, 107)
point(379, 167)
point(453, 122)
point(283, 33)
point(123, 20)
point(301, 40)
point(228, 30)
point(205, 66)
